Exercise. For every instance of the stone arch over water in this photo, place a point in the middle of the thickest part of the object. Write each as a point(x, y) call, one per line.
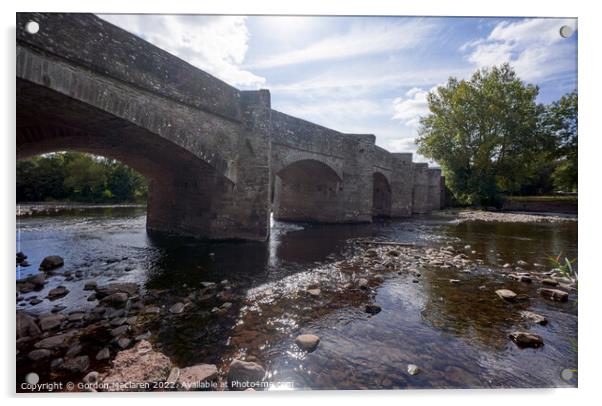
point(306, 190)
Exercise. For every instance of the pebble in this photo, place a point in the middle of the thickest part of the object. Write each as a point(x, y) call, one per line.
point(373, 308)
point(177, 308)
point(307, 342)
point(526, 339)
point(506, 294)
point(413, 369)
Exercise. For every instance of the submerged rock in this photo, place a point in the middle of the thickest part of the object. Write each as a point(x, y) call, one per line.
point(526, 340)
point(536, 318)
point(307, 342)
point(243, 375)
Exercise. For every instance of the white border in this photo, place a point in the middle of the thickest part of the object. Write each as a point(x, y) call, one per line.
point(589, 258)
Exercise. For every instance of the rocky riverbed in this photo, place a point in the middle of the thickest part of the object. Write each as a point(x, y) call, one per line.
point(417, 304)
point(509, 217)
point(110, 347)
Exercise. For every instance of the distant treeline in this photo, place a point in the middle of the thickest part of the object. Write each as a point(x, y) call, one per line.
point(78, 177)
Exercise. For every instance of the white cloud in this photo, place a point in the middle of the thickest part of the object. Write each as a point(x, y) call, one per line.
point(412, 107)
point(533, 47)
point(361, 39)
point(216, 44)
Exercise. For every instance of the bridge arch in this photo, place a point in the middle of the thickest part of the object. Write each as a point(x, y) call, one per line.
point(381, 195)
point(306, 190)
point(187, 193)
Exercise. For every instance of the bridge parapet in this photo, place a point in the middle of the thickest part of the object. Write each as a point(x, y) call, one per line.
point(116, 53)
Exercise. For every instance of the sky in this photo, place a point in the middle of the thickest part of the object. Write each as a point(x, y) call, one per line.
point(368, 75)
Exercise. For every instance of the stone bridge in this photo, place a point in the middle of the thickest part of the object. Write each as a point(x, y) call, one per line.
point(219, 160)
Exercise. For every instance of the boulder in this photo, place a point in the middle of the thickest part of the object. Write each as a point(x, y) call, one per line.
point(103, 354)
point(116, 332)
point(26, 326)
point(139, 364)
point(37, 280)
point(520, 262)
point(506, 294)
point(307, 342)
point(243, 375)
point(40, 354)
point(554, 294)
point(363, 283)
point(51, 262)
point(549, 282)
point(53, 342)
point(76, 364)
point(116, 299)
point(57, 292)
point(51, 321)
point(526, 340)
point(130, 289)
point(193, 377)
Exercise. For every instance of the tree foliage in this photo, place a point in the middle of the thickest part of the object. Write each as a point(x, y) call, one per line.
point(490, 136)
point(560, 120)
point(78, 177)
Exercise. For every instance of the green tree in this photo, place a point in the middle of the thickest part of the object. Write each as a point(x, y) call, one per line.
point(78, 177)
point(560, 120)
point(86, 178)
point(485, 134)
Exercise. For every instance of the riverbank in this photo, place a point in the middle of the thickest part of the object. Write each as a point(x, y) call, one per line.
point(32, 209)
point(506, 217)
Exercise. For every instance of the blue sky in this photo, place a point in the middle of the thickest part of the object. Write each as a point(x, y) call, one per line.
point(362, 74)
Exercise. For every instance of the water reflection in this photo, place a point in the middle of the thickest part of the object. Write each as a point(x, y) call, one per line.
point(456, 333)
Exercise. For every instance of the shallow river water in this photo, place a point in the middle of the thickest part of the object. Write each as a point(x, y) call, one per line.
point(455, 332)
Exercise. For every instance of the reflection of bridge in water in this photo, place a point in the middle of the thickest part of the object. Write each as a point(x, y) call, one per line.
point(218, 159)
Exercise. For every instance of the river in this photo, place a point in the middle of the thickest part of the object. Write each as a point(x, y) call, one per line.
point(455, 332)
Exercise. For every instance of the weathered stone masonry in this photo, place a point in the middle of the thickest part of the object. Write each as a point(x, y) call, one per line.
point(218, 160)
